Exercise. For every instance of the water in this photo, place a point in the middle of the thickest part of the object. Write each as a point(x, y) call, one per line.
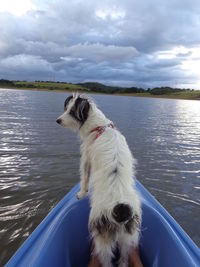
point(39, 160)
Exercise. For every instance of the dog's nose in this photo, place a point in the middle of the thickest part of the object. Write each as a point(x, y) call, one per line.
point(58, 121)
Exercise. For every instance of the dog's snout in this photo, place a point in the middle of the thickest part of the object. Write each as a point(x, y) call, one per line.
point(58, 121)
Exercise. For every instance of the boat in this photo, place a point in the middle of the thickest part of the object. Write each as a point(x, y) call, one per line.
point(62, 238)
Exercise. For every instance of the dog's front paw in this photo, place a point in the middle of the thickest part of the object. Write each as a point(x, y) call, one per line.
point(81, 194)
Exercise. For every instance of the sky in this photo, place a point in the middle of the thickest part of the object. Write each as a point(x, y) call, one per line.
point(144, 43)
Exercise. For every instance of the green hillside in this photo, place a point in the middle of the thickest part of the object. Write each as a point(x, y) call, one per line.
point(94, 87)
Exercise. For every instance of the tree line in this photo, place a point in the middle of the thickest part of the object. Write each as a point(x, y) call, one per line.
point(97, 87)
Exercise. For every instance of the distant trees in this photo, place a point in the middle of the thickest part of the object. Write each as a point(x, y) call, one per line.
point(6, 82)
point(164, 90)
point(131, 90)
point(92, 87)
point(98, 87)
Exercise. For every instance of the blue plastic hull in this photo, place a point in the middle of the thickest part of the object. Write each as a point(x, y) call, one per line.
point(62, 238)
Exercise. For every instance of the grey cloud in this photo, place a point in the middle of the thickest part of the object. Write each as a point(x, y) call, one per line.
point(98, 52)
point(184, 55)
point(163, 63)
point(27, 66)
point(70, 41)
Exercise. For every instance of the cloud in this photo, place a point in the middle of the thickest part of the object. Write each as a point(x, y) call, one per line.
point(100, 53)
point(117, 42)
point(25, 66)
point(163, 63)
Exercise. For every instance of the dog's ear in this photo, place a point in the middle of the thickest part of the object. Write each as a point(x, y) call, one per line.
point(80, 110)
point(67, 102)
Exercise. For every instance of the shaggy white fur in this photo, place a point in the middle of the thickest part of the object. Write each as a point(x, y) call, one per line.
point(107, 169)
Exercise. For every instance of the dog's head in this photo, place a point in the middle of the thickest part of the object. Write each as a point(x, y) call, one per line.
point(76, 111)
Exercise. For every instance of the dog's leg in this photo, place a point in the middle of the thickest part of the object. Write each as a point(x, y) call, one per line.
point(126, 243)
point(103, 251)
point(124, 252)
point(85, 173)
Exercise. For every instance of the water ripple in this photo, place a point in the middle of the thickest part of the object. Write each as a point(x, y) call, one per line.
point(39, 161)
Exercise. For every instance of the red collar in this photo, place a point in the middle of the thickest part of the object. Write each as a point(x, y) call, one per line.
point(101, 129)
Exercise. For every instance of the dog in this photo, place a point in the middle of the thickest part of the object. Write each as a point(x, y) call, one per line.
point(107, 169)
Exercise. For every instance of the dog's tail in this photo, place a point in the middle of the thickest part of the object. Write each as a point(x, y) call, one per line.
point(122, 213)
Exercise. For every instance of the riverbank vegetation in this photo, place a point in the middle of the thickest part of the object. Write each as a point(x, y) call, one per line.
point(93, 87)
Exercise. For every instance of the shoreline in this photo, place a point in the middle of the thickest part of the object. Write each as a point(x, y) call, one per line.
point(146, 95)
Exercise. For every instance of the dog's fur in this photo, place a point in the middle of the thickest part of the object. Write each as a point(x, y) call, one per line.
point(107, 170)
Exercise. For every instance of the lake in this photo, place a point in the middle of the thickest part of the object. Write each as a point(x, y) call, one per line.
point(39, 160)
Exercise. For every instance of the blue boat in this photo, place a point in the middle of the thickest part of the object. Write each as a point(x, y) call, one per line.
point(62, 238)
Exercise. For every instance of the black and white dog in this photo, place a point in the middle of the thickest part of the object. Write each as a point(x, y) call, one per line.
point(107, 170)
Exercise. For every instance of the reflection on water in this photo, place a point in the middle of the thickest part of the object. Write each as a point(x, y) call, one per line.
point(39, 161)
